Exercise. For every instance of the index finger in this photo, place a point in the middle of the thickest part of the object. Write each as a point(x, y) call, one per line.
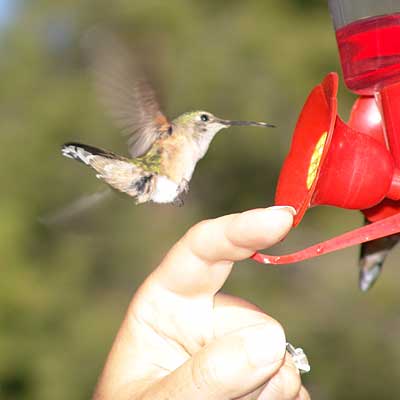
point(201, 261)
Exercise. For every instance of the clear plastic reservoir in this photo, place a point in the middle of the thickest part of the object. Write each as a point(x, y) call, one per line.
point(368, 37)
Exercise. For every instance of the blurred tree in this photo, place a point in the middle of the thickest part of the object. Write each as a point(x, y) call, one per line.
point(64, 289)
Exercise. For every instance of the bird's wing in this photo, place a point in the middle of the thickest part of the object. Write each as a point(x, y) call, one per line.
point(126, 93)
point(75, 209)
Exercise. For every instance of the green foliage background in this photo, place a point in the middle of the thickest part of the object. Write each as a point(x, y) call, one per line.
point(64, 290)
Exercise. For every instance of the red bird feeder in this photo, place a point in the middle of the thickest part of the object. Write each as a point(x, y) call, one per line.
point(354, 165)
point(332, 163)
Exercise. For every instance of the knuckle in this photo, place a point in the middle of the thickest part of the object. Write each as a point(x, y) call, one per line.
point(276, 332)
point(279, 332)
point(199, 231)
point(206, 372)
point(220, 367)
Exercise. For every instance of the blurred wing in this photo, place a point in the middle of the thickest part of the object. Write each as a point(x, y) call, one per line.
point(126, 93)
point(75, 209)
point(150, 122)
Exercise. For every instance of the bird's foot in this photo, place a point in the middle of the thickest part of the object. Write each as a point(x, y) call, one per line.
point(184, 187)
point(178, 201)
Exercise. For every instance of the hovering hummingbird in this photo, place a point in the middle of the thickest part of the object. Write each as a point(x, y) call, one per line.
point(162, 174)
point(163, 153)
point(372, 257)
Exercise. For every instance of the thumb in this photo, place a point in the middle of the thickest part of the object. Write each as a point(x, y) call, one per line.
point(228, 367)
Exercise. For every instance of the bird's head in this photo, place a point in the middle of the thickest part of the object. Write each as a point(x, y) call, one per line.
point(202, 126)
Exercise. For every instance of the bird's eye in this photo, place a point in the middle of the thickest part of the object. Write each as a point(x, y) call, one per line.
point(204, 117)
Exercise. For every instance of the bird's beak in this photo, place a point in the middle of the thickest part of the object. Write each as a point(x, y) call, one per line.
point(228, 122)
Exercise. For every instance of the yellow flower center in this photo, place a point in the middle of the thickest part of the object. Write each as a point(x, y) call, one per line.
point(315, 160)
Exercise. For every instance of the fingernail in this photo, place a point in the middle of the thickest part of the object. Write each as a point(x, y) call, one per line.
point(265, 345)
point(291, 209)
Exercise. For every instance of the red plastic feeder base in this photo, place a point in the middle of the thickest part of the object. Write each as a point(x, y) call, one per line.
point(332, 163)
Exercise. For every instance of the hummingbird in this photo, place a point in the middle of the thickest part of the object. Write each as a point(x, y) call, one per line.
point(163, 172)
point(162, 154)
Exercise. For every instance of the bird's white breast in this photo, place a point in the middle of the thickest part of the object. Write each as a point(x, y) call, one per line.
point(165, 191)
point(192, 155)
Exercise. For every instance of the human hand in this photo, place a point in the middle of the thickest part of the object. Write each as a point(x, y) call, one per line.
point(183, 339)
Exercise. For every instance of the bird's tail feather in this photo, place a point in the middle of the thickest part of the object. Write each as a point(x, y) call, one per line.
point(84, 153)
